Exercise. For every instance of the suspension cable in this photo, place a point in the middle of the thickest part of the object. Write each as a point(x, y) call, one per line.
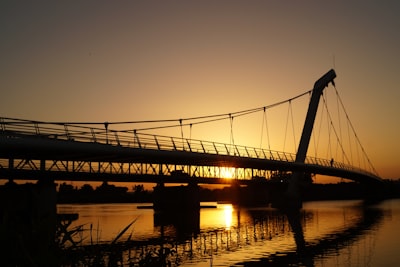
point(266, 125)
point(339, 116)
point(262, 129)
point(190, 133)
point(206, 118)
point(183, 144)
point(265, 122)
point(329, 150)
point(231, 139)
point(349, 137)
point(286, 127)
point(331, 126)
point(294, 134)
point(355, 134)
point(219, 117)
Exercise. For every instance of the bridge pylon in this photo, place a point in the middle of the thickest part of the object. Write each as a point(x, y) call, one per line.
point(176, 198)
point(293, 198)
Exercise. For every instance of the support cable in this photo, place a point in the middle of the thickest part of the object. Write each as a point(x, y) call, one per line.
point(331, 126)
point(286, 127)
point(190, 137)
point(351, 148)
point(329, 148)
point(183, 143)
point(356, 136)
point(266, 125)
point(265, 121)
point(339, 120)
point(231, 138)
point(262, 129)
point(190, 133)
point(294, 134)
point(214, 117)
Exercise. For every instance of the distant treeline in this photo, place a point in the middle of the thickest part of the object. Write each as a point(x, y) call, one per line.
point(107, 193)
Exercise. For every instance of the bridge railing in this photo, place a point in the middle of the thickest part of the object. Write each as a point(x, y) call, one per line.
point(133, 139)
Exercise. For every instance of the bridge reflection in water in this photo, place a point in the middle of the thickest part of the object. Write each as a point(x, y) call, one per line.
point(244, 237)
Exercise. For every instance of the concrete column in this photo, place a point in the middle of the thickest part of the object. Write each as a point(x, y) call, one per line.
point(44, 221)
point(176, 197)
point(28, 223)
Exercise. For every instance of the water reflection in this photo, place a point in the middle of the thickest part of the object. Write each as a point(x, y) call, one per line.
point(306, 253)
point(229, 236)
point(228, 209)
point(178, 225)
point(294, 219)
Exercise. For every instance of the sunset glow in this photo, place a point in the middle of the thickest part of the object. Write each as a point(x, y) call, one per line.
point(227, 172)
point(139, 60)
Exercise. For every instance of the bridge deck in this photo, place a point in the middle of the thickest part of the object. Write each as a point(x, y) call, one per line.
point(81, 151)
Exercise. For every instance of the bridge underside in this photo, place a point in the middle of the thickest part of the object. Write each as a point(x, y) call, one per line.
point(36, 158)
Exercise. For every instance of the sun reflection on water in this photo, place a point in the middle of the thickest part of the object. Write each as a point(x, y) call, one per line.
point(228, 210)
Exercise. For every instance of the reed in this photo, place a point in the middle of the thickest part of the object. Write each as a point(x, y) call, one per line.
point(117, 252)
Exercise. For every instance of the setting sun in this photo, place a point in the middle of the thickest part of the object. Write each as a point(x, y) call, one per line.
point(227, 172)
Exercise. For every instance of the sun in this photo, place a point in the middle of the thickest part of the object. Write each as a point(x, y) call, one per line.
point(227, 172)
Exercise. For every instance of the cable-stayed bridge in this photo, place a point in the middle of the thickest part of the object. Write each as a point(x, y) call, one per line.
point(56, 151)
point(34, 150)
point(31, 150)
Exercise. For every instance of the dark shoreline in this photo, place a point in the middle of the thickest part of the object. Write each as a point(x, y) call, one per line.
point(314, 192)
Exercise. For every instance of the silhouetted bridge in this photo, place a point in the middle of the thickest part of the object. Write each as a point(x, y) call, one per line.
point(46, 152)
point(31, 150)
point(65, 151)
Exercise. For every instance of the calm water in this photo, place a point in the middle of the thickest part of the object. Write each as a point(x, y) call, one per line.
point(325, 233)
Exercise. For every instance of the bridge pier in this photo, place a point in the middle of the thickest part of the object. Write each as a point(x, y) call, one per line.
point(252, 195)
point(28, 215)
point(176, 198)
point(292, 198)
point(178, 206)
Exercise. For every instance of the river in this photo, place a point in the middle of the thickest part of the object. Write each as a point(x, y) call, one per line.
point(323, 233)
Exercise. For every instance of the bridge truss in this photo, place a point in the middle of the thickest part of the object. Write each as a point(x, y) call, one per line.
point(34, 150)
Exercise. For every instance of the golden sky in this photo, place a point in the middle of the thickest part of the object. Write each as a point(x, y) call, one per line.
point(141, 60)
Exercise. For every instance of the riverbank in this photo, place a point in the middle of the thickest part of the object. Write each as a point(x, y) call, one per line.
point(113, 194)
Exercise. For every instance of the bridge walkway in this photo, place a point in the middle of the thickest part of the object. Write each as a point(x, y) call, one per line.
point(77, 151)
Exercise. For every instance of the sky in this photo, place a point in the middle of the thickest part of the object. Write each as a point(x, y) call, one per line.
point(97, 61)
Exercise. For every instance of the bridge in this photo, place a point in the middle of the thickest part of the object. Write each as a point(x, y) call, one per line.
point(31, 150)
point(34, 150)
point(57, 151)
